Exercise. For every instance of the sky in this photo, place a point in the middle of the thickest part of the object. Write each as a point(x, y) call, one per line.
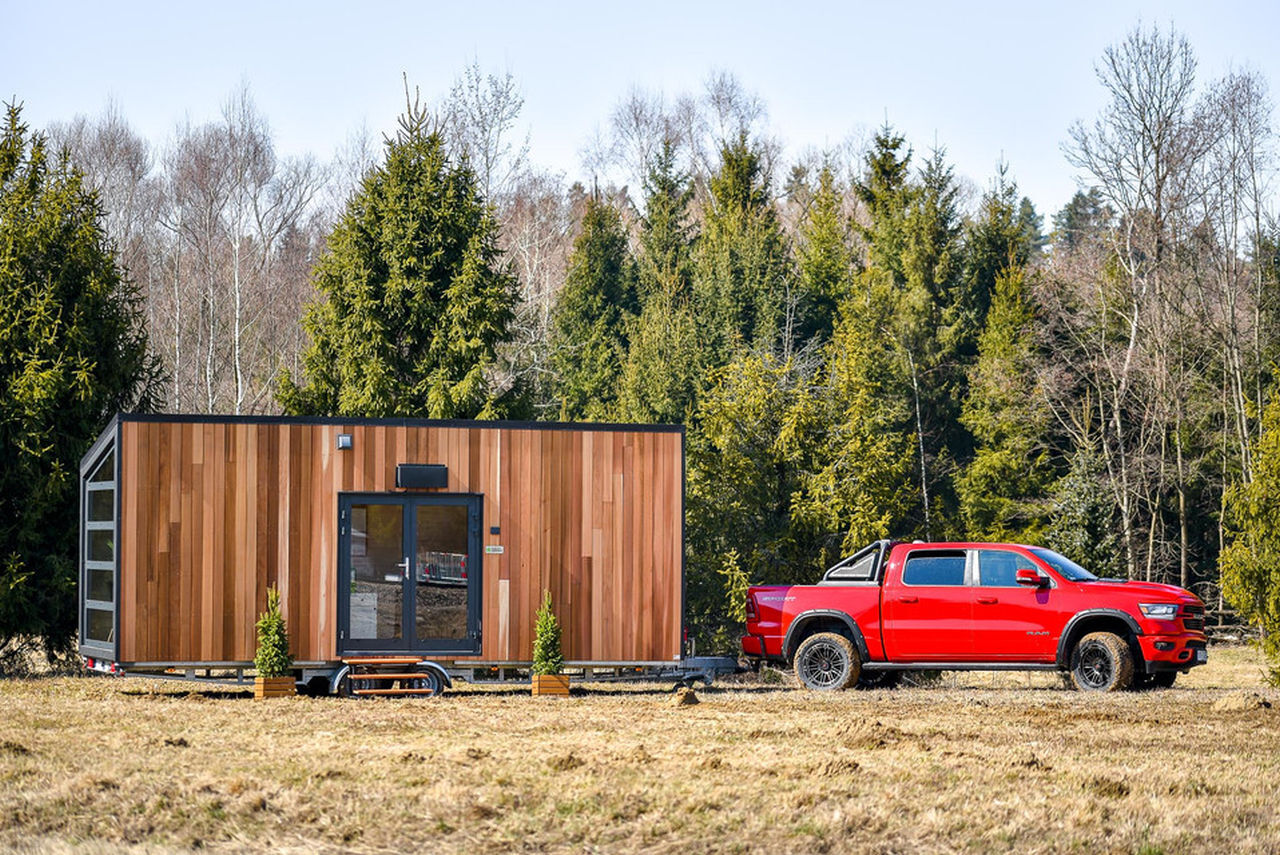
point(987, 81)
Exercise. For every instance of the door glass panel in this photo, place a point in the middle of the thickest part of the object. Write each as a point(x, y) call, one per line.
point(441, 574)
point(934, 570)
point(376, 604)
point(999, 569)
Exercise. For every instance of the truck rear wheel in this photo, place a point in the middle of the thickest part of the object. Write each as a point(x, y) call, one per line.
point(826, 662)
point(1101, 662)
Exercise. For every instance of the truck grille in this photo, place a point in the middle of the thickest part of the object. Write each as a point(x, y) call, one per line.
point(1193, 618)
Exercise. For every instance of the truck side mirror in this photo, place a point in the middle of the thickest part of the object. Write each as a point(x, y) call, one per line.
point(1032, 578)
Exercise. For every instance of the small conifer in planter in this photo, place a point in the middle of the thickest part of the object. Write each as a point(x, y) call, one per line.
point(548, 660)
point(272, 659)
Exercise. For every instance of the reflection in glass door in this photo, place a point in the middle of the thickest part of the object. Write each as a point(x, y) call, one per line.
point(441, 554)
point(376, 575)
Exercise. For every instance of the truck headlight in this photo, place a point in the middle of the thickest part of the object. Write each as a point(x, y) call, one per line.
point(1164, 611)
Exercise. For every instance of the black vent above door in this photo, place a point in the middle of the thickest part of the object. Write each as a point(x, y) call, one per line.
point(422, 475)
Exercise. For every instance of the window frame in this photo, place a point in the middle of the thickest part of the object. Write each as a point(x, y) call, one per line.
point(106, 446)
point(965, 582)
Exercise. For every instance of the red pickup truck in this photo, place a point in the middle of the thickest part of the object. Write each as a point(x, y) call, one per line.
point(894, 607)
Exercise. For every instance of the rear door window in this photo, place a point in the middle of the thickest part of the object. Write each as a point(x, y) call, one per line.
point(934, 568)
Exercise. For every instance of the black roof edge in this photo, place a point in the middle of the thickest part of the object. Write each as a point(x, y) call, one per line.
point(393, 421)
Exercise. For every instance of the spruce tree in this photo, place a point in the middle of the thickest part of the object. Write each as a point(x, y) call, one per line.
point(1002, 490)
point(664, 367)
point(664, 372)
point(743, 263)
point(665, 260)
point(73, 351)
point(826, 262)
point(592, 314)
point(414, 300)
point(1251, 562)
point(1082, 523)
point(859, 486)
point(885, 193)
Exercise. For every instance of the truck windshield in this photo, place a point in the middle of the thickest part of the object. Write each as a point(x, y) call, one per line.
point(1070, 570)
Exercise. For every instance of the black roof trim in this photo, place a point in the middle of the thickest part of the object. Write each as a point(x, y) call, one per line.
point(395, 421)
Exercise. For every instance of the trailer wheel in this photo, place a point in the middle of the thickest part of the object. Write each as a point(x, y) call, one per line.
point(827, 662)
point(1102, 662)
point(428, 684)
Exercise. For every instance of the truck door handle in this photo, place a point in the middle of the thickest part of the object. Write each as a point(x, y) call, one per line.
point(987, 600)
point(906, 599)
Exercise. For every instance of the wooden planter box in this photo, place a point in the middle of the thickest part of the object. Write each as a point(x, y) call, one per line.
point(274, 687)
point(551, 684)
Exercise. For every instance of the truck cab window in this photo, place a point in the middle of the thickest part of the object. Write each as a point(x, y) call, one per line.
point(934, 569)
point(998, 568)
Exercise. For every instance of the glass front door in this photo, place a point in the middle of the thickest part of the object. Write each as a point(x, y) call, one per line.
point(409, 575)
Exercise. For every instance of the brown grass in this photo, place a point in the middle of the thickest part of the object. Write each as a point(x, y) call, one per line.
point(978, 763)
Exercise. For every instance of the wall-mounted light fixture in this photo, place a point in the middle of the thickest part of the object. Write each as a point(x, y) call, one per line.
point(344, 441)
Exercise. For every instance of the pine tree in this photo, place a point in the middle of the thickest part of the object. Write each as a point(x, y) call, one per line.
point(826, 262)
point(593, 312)
point(665, 260)
point(1082, 522)
point(1250, 564)
point(885, 192)
point(547, 655)
point(1002, 490)
point(414, 300)
point(743, 267)
point(858, 487)
point(663, 372)
point(1003, 236)
point(745, 464)
point(73, 351)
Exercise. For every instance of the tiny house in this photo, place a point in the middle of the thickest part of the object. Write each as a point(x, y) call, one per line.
point(387, 538)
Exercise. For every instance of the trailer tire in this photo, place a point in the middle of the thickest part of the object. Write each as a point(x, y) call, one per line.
point(1102, 662)
point(827, 662)
point(429, 684)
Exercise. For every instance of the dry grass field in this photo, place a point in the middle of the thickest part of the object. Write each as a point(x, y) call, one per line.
point(979, 763)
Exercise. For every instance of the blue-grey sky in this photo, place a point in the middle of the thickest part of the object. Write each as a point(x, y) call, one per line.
point(985, 80)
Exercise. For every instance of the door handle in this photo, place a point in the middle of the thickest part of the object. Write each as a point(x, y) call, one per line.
point(906, 599)
point(987, 600)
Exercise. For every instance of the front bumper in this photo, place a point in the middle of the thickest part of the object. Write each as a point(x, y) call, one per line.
point(1178, 652)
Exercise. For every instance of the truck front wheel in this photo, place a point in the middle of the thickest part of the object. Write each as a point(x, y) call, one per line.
point(1101, 662)
point(826, 662)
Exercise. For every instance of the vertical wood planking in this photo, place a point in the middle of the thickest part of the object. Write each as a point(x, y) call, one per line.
point(215, 513)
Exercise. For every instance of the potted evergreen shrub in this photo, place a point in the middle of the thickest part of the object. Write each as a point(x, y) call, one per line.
point(275, 679)
point(548, 661)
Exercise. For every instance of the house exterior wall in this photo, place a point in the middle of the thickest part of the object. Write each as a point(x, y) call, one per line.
point(214, 511)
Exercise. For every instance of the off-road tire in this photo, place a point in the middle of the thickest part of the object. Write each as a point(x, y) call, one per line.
point(1101, 662)
point(827, 662)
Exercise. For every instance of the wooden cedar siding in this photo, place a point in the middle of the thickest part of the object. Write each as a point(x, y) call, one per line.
point(215, 512)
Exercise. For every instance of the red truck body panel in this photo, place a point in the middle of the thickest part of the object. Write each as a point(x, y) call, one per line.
point(934, 604)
